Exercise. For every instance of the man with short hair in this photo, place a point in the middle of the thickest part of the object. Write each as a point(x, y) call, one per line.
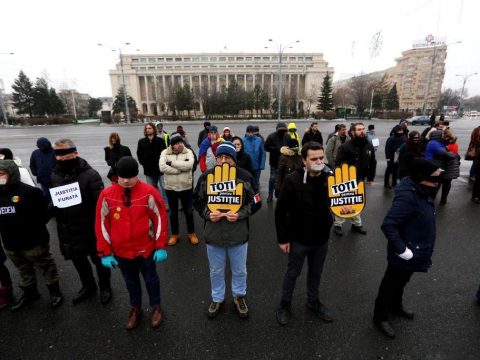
point(131, 229)
point(162, 134)
point(357, 152)
point(303, 221)
point(76, 222)
point(176, 162)
point(227, 234)
point(334, 143)
point(253, 146)
point(149, 149)
point(313, 134)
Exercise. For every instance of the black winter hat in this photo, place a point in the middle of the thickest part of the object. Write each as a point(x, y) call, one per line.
point(175, 138)
point(127, 167)
point(281, 125)
point(421, 169)
point(292, 143)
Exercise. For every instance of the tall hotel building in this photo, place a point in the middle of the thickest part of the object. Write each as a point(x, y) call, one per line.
point(150, 79)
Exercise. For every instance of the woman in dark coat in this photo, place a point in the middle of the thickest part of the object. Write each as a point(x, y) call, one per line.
point(409, 227)
point(114, 152)
point(243, 159)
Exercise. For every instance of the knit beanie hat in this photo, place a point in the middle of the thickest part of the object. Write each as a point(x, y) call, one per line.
point(292, 143)
point(175, 138)
point(250, 129)
point(421, 169)
point(281, 125)
point(227, 148)
point(127, 167)
point(213, 128)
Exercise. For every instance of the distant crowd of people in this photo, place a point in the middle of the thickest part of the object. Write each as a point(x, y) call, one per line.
point(125, 225)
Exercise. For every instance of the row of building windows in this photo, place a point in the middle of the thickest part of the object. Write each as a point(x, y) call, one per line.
point(221, 58)
point(188, 67)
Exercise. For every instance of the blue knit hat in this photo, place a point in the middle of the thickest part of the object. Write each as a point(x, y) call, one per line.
point(227, 148)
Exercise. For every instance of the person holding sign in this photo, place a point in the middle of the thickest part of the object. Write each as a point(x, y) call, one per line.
point(303, 221)
point(409, 227)
point(225, 197)
point(132, 230)
point(360, 153)
point(23, 230)
point(75, 190)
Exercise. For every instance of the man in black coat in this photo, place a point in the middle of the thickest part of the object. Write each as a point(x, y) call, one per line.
point(76, 221)
point(361, 154)
point(391, 155)
point(202, 135)
point(23, 230)
point(273, 144)
point(42, 162)
point(409, 227)
point(313, 134)
point(148, 153)
point(303, 221)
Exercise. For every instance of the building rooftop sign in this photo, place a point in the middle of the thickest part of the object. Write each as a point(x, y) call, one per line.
point(429, 41)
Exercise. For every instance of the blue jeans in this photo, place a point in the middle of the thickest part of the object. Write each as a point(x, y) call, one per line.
point(217, 258)
point(159, 183)
point(271, 180)
point(131, 269)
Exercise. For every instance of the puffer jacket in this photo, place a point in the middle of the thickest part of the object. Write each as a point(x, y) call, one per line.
point(293, 134)
point(23, 213)
point(130, 231)
point(410, 222)
point(224, 233)
point(253, 146)
point(76, 224)
point(288, 163)
point(178, 175)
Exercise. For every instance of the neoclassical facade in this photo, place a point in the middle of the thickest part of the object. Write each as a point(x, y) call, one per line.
point(150, 79)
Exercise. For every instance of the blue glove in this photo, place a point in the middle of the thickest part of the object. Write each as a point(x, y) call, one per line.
point(159, 255)
point(109, 261)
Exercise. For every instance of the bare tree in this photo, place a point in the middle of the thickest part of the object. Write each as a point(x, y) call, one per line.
point(361, 91)
point(311, 97)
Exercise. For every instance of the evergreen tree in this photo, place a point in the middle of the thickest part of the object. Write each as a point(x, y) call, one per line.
point(325, 101)
point(392, 102)
point(41, 98)
point(94, 105)
point(22, 94)
point(119, 103)
point(56, 106)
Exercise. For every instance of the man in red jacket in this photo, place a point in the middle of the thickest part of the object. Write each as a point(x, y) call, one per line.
point(132, 230)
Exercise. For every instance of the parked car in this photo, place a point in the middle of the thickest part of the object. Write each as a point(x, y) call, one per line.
point(419, 120)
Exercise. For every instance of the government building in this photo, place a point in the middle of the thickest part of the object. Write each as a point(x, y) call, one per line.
point(151, 79)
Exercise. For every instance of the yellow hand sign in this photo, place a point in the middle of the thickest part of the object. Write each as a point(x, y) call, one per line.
point(224, 192)
point(346, 195)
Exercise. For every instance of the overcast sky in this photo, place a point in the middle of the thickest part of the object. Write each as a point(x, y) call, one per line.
point(58, 39)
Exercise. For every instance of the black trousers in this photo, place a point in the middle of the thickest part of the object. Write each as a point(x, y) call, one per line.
point(446, 186)
point(392, 169)
point(390, 293)
point(84, 269)
point(316, 258)
point(185, 198)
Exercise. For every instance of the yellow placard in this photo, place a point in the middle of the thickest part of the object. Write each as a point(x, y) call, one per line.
point(346, 195)
point(224, 192)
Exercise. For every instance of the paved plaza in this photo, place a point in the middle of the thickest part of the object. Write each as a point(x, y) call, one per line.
point(446, 326)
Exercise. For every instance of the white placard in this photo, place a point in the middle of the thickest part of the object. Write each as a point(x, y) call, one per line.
point(66, 195)
point(375, 142)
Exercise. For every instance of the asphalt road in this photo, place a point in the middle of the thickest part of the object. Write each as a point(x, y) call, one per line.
point(447, 323)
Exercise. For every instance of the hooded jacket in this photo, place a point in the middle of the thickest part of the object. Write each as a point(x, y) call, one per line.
point(393, 143)
point(23, 212)
point(293, 134)
point(76, 224)
point(288, 163)
point(410, 222)
point(42, 161)
point(302, 213)
point(243, 159)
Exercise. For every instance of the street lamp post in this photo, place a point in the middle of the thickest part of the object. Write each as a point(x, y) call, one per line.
point(127, 111)
point(465, 79)
point(2, 101)
point(281, 50)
